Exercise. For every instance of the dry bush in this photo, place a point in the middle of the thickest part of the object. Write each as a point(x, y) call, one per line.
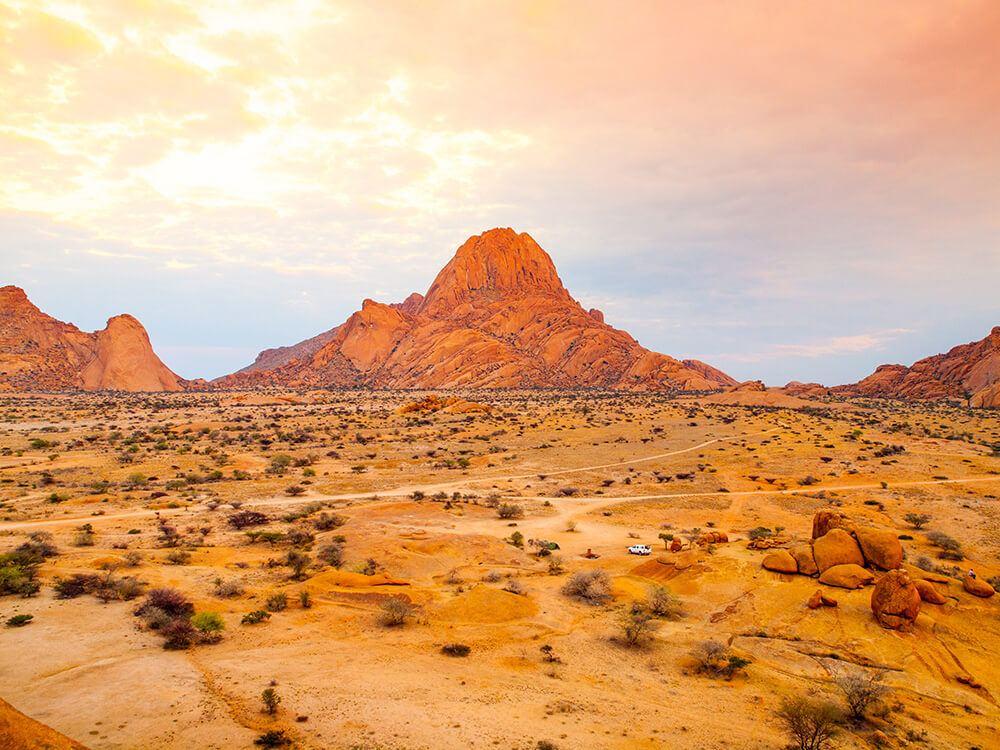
point(662, 603)
point(394, 612)
point(862, 689)
point(810, 724)
point(592, 586)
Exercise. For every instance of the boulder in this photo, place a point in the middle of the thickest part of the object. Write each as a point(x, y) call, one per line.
point(819, 599)
point(929, 592)
point(847, 576)
point(803, 554)
point(780, 561)
point(895, 601)
point(837, 547)
point(825, 520)
point(881, 548)
point(676, 545)
point(977, 587)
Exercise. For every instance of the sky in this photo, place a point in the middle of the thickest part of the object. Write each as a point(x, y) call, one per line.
point(788, 191)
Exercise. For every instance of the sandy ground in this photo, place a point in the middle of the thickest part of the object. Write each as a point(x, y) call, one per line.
point(593, 472)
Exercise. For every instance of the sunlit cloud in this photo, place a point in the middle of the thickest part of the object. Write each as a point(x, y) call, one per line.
point(714, 176)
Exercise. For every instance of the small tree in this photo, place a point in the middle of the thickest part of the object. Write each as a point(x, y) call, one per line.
point(270, 699)
point(810, 724)
point(861, 690)
point(298, 562)
point(637, 624)
point(593, 586)
point(509, 511)
point(917, 520)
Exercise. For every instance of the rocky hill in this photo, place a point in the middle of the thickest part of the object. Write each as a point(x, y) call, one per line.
point(496, 316)
point(40, 353)
point(969, 372)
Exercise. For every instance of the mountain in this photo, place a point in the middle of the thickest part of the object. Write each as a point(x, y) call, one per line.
point(968, 372)
point(40, 353)
point(496, 316)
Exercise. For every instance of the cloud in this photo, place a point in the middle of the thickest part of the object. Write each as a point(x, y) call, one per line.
point(834, 346)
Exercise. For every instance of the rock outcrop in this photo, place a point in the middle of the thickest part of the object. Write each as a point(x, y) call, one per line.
point(977, 587)
point(847, 576)
point(837, 547)
point(496, 316)
point(880, 547)
point(895, 600)
point(969, 373)
point(40, 353)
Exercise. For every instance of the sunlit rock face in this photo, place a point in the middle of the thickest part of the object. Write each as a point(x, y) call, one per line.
point(496, 316)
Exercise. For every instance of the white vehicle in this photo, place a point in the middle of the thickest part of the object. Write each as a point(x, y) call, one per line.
point(640, 549)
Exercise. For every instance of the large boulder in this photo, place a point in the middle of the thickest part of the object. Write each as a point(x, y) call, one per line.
point(803, 554)
point(895, 601)
point(847, 576)
point(825, 520)
point(929, 592)
point(881, 548)
point(780, 561)
point(837, 547)
point(977, 587)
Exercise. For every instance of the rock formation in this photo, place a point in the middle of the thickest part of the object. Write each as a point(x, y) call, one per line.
point(969, 372)
point(895, 600)
point(496, 316)
point(40, 353)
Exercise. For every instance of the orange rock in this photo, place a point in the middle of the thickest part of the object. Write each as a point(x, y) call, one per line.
point(819, 599)
point(780, 561)
point(38, 352)
point(496, 316)
point(803, 555)
point(929, 592)
point(895, 600)
point(977, 587)
point(837, 547)
point(676, 545)
point(880, 548)
point(847, 576)
point(825, 520)
point(967, 372)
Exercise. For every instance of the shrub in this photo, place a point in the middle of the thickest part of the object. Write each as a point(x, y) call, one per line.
point(454, 649)
point(246, 518)
point(394, 612)
point(76, 585)
point(715, 658)
point(170, 601)
point(810, 724)
point(228, 589)
point(210, 625)
point(257, 616)
point(662, 603)
point(514, 586)
point(178, 557)
point(862, 689)
point(761, 532)
point(178, 634)
point(637, 624)
point(327, 521)
point(917, 520)
point(295, 490)
point(273, 738)
point(305, 600)
point(270, 700)
point(509, 511)
point(332, 554)
point(277, 602)
point(298, 562)
point(18, 621)
point(592, 586)
point(17, 574)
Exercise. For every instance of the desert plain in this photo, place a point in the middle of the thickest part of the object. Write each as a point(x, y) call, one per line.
point(314, 509)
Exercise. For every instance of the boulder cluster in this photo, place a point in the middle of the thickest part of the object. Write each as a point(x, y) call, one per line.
point(846, 555)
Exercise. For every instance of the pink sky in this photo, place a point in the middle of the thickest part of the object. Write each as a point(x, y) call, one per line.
point(784, 189)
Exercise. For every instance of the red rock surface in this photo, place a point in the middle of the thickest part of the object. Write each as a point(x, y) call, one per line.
point(967, 372)
point(496, 316)
point(38, 352)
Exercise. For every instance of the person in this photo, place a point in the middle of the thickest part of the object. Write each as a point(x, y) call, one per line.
point(972, 573)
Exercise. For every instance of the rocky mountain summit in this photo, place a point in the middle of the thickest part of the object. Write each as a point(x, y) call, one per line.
point(496, 316)
point(40, 353)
